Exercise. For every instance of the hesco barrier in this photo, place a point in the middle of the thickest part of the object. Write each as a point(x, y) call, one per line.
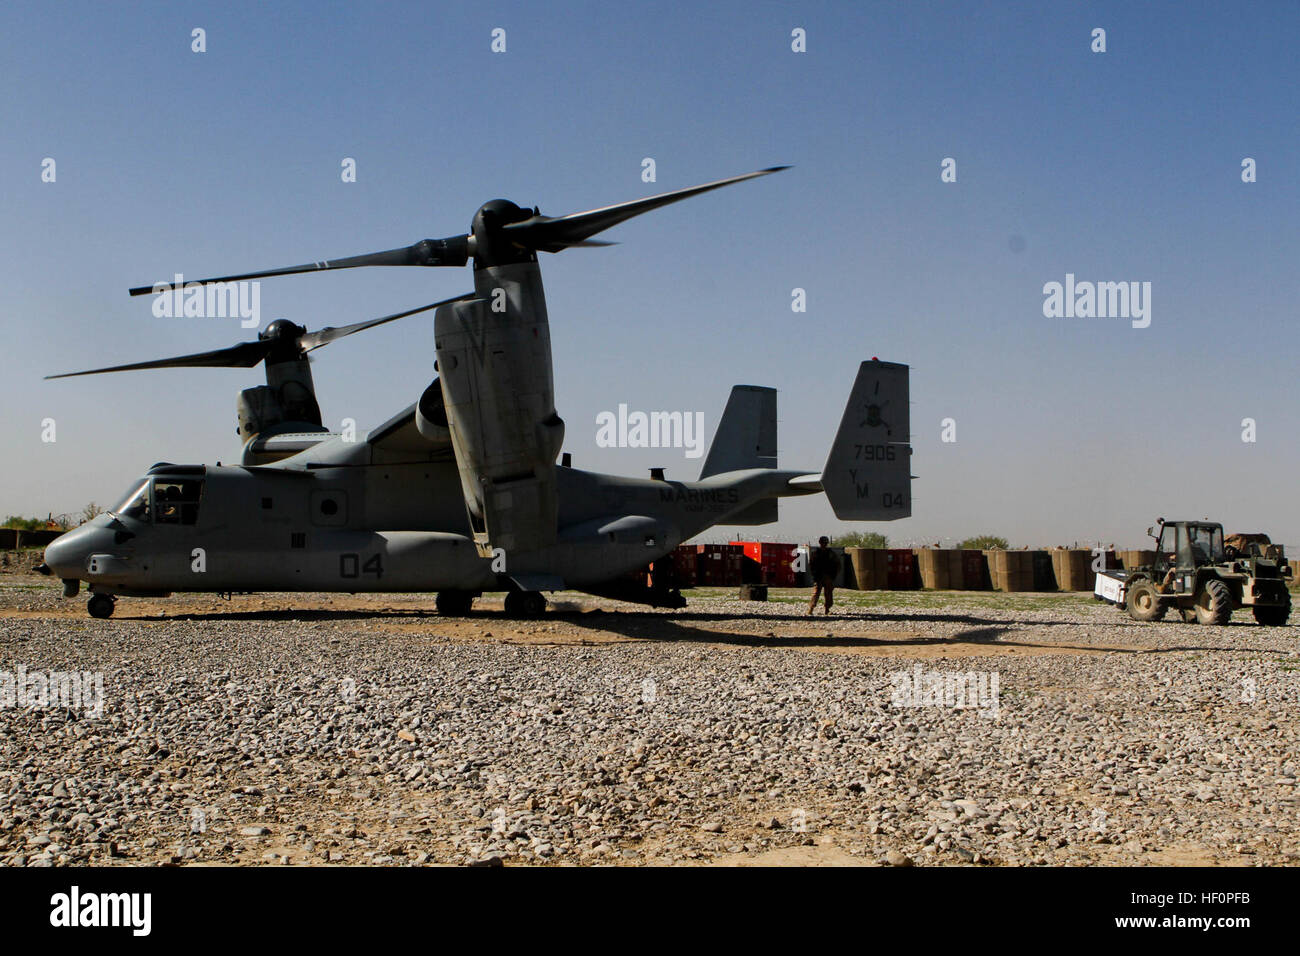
point(1136, 559)
point(1011, 570)
point(1073, 569)
point(870, 569)
point(877, 569)
point(940, 568)
point(13, 539)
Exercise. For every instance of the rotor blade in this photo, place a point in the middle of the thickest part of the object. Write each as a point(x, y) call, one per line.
point(428, 252)
point(244, 355)
point(314, 340)
point(552, 235)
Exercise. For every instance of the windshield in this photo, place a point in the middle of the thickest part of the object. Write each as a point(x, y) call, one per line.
point(1207, 543)
point(136, 504)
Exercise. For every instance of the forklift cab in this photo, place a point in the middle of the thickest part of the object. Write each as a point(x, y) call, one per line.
point(1186, 545)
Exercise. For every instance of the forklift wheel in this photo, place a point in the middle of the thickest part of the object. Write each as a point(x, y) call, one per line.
point(1214, 604)
point(1144, 602)
point(1272, 615)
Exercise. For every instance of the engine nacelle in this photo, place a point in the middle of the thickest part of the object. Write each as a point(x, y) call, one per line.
point(431, 415)
point(494, 361)
point(287, 402)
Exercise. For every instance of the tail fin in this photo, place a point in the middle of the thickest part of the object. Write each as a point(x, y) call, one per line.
point(746, 436)
point(868, 473)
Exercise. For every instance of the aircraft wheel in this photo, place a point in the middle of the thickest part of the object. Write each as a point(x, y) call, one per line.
point(101, 605)
point(454, 603)
point(1214, 604)
point(525, 604)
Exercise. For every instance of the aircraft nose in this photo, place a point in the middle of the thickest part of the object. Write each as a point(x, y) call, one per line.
point(65, 556)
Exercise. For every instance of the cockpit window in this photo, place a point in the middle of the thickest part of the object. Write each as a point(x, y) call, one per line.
point(176, 500)
point(136, 504)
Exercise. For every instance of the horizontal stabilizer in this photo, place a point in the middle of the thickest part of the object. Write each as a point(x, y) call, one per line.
point(760, 512)
point(868, 473)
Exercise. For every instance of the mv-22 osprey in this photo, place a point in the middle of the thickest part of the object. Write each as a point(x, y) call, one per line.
point(461, 493)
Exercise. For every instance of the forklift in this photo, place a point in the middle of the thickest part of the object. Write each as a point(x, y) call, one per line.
point(1203, 578)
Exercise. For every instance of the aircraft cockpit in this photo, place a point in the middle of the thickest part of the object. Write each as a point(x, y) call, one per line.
point(164, 498)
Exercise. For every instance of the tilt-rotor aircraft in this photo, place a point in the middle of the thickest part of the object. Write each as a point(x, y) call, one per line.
point(461, 493)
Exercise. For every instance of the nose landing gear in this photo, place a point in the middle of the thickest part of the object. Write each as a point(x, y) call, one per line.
point(101, 605)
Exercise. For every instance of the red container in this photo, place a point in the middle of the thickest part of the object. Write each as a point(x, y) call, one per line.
point(774, 562)
point(683, 561)
point(900, 574)
point(719, 565)
point(974, 570)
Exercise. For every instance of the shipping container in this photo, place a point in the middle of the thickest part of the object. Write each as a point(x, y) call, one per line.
point(773, 563)
point(974, 570)
point(683, 566)
point(718, 565)
point(901, 574)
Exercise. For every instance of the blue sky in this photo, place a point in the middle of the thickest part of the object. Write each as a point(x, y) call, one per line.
point(1121, 166)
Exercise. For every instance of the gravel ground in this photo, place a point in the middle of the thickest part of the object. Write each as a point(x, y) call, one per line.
point(367, 730)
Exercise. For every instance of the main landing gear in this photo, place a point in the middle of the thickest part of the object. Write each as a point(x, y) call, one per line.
point(454, 603)
point(525, 604)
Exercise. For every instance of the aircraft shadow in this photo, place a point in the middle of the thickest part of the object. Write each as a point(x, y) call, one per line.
point(681, 626)
point(658, 627)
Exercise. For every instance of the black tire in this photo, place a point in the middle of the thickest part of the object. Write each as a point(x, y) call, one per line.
point(1214, 604)
point(100, 605)
point(525, 604)
point(534, 604)
point(1143, 602)
point(1274, 615)
point(454, 603)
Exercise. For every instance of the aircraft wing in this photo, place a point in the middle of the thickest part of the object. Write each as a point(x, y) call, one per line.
point(400, 437)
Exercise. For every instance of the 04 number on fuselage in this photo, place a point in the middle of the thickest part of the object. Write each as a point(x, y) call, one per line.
point(351, 566)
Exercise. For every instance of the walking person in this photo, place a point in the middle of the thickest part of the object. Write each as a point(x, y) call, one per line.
point(825, 569)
